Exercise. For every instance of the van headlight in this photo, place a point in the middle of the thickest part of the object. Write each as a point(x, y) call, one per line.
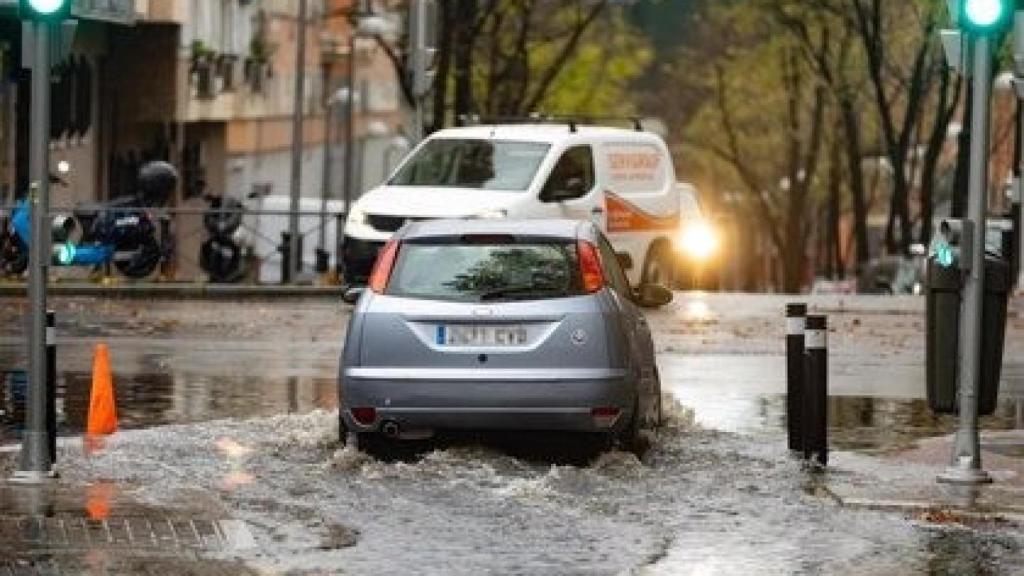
point(699, 240)
point(492, 215)
point(356, 217)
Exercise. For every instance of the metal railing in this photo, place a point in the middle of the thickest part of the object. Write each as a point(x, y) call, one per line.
point(229, 245)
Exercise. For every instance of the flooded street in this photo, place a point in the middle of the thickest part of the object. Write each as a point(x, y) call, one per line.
point(234, 402)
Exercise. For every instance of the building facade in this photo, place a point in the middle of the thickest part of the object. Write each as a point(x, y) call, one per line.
point(208, 85)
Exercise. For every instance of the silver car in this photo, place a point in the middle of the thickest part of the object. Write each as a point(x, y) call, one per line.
point(499, 325)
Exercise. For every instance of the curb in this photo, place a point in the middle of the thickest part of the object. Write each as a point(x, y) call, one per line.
point(183, 290)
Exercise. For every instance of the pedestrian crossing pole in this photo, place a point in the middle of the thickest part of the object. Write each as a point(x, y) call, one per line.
point(41, 18)
point(982, 21)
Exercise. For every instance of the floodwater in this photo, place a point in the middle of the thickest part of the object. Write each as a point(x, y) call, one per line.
point(244, 410)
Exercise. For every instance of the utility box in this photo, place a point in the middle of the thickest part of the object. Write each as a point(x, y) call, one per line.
point(943, 334)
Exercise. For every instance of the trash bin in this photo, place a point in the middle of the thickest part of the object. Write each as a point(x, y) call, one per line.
point(943, 334)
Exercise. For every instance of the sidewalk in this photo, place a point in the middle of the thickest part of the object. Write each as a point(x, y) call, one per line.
point(909, 484)
point(177, 290)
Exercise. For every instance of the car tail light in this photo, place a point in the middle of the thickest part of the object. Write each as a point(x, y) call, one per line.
point(605, 416)
point(590, 267)
point(364, 415)
point(382, 268)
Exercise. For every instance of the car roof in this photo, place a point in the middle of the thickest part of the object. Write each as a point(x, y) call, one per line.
point(549, 133)
point(567, 229)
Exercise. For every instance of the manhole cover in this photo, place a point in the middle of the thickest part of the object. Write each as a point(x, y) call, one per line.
point(142, 533)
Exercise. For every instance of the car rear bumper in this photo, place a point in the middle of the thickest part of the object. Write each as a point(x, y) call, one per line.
point(556, 400)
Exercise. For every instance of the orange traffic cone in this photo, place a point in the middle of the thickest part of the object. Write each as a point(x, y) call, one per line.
point(102, 411)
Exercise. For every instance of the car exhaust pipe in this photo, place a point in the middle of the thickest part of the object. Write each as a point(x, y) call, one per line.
point(390, 429)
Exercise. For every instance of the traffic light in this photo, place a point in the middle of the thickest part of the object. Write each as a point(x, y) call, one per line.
point(985, 16)
point(953, 247)
point(45, 10)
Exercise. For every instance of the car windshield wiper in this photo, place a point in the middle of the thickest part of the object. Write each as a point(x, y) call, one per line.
point(514, 292)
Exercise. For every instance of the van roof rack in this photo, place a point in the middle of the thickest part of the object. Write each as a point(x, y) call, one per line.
point(536, 118)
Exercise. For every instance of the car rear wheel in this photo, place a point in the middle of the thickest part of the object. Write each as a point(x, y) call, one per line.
point(628, 439)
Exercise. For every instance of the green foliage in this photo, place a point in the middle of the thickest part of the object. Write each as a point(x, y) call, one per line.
point(598, 79)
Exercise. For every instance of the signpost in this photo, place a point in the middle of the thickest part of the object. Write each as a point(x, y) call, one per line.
point(43, 17)
point(982, 21)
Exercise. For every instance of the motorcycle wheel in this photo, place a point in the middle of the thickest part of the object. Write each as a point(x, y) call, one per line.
point(143, 263)
point(221, 258)
point(13, 256)
point(223, 217)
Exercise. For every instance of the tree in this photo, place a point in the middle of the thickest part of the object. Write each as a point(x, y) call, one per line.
point(765, 124)
point(512, 58)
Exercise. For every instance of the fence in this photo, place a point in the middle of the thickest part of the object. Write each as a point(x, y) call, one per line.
point(240, 243)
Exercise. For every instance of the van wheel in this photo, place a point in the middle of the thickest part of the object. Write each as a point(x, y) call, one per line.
point(659, 266)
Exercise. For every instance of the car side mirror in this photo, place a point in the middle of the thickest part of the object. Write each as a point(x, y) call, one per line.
point(653, 296)
point(352, 295)
point(574, 188)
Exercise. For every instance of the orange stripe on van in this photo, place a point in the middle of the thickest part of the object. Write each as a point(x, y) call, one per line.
point(624, 216)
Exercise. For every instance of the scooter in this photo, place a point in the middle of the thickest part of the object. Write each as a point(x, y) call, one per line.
point(223, 256)
point(121, 232)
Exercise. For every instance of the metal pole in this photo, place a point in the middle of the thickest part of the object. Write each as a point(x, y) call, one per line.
point(965, 467)
point(350, 116)
point(417, 129)
point(796, 320)
point(297, 141)
point(325, 191)
point(51, 383)
point(35, 452)
point(1018, 191)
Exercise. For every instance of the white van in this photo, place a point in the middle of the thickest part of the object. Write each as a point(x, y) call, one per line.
point(621, 179)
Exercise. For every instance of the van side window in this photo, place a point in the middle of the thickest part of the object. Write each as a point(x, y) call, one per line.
point(572, 177)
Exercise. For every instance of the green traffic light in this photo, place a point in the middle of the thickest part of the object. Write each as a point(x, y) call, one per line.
point(46, 7)
point(984, 14)
point(66, 254)
point(944, 255)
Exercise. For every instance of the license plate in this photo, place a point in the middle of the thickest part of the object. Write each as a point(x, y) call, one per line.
point(481, 336)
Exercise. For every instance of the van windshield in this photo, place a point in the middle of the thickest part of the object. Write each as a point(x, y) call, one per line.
point(480, 164)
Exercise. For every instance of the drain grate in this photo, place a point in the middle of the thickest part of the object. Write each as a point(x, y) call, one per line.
point(122, 567)
point(129, 533)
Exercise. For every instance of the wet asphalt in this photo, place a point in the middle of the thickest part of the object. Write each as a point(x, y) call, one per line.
point(235, 399)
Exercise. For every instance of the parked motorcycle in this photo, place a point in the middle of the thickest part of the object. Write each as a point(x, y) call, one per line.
point(122, 232)
point(223, 255)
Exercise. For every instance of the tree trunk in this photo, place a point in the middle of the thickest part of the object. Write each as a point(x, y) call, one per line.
point(465, 19)
point(444, 67)
point(858, 190)
point(833, 246)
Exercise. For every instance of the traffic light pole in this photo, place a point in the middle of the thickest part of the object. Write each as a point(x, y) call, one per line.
point(965, 467)
point(1018, 189)
point(36, 466)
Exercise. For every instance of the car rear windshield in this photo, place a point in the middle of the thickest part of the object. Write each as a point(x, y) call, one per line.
point(486, 272)
point(480, 164)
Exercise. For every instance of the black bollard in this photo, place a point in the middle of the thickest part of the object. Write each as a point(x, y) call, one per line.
point(286, 257)
point(796, 319)
point(51, 383)
point(323, 261)
point(815, 406)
